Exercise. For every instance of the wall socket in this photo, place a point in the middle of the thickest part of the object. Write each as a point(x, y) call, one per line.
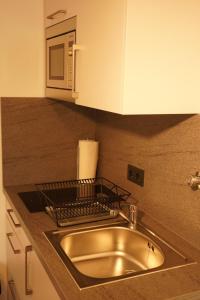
point(135, 175)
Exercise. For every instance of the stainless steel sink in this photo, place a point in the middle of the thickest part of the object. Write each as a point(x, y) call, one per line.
point(100, 254)
point(110, 252)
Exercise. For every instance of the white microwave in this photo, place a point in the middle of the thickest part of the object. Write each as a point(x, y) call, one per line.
point(60, 39)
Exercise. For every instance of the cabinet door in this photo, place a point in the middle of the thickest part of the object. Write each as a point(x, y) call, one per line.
point(40, 282)
point(52, 8)
point(27, 277)
point(139, 57)
point(162, 57)
point(16, 265)
point(100, 62)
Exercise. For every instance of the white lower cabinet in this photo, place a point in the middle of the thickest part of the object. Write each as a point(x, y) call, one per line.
point(16, 265)
point(27, 279)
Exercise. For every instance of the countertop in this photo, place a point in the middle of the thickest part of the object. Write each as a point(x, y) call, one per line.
point(162, 285)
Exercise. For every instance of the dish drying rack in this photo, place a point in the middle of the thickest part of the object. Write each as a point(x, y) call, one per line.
point(79, 201)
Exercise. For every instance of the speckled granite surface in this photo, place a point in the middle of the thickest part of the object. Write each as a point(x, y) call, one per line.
point(167, 148)
point(156, 286)
point(40, 138)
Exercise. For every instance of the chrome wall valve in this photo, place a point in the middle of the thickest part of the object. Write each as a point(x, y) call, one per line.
point(194, 181)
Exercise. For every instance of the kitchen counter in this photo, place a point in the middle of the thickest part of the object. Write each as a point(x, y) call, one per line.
point(162, 285)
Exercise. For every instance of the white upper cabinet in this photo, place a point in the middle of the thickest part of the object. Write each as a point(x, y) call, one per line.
point(59, 10)
point(138, 56)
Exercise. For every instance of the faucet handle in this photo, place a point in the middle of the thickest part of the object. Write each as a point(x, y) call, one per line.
point(132, 207)
point(132, 218)
point(133, 210)
point(128, 204)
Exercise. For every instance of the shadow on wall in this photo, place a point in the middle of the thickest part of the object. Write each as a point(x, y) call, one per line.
point(143, 125)
point(89, 113)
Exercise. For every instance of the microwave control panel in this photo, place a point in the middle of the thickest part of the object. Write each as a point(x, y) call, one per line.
point(70, 42)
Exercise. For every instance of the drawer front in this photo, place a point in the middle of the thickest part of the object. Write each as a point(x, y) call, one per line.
point(16, 224)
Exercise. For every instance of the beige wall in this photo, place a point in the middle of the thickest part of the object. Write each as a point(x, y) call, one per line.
point(21, 71)
point(21, 48)
point(168, 149)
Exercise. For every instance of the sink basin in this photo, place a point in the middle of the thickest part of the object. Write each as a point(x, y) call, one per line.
point(99, 254)
point(110, 252)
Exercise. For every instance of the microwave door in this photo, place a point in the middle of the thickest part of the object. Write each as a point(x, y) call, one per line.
point(59, 62)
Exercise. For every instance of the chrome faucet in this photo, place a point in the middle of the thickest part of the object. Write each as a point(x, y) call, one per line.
point(132, 218)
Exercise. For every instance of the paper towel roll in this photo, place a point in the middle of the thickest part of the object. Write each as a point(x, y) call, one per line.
point(87, 159)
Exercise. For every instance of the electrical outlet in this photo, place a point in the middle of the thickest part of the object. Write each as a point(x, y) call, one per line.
point(135, 175)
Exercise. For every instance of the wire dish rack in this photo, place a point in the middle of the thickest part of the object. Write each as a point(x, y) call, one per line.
point(79, 201)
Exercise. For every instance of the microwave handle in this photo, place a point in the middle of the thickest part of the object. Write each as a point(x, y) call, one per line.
point(74, 50)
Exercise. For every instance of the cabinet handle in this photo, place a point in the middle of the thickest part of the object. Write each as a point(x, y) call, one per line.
point(75, 49)
point(55, 14)
point(10, 211)
point(9, 235)
point(11, 285)
point(28, 291)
